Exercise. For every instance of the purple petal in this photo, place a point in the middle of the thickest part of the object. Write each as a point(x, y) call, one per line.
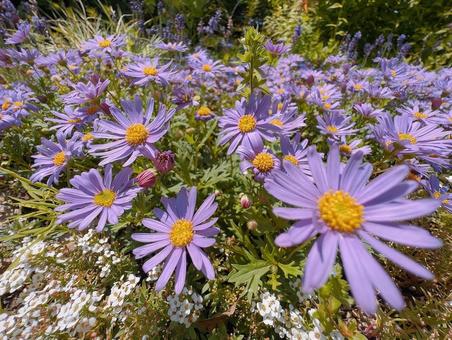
point(168, 269)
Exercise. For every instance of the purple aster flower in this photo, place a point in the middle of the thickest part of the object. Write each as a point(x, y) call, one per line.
point(204, 113)
point(260, 159)
point(276, 49)
point(367, 110)
point(149, 71)
point(20, 35)
point(172, 46)
point(247, 121)
point(183, 97)
point(335, 124)
point(421, 114)
point(103, 44)
point(95, 197)
point(89, 95)
point(350, 148)
point(295, 151)
point(348, 212)
point(134, 132)
point(53, 157)
point(285, 117)
point(207, 68)
point(179, 230)
point(438, 192)
point(69, 120)
point(7, 120)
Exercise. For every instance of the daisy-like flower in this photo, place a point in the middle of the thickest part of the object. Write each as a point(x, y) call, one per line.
point(204, 113)
point(367, 110)
point(350, 148)
point(95, 197)
point(421, 114)
point(335, 125)
point(134, 132)
point(285, 117)
point(438, 192)
point(53, 157)
point(20, 35)
point(103, 44)
point(7, 120)
point(149, 71)
point(295, 151)
point(207, 68)
point(172, 46)
point(247, 121)
point(276, 49)
point(179, 230)
point(89, 95)
point(348, 212)
point(69, 121)
point(261, 160)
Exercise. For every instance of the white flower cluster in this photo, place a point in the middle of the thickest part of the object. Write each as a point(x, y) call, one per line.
point(121, 290)
point(15, 277)
point(296, 285)
point(184, 308)
point(289, 323)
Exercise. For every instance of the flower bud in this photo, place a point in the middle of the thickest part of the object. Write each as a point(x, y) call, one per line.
point(164, 161)
point(436, 103)
point(251, 225)
point(146, 179)
point(245, 201)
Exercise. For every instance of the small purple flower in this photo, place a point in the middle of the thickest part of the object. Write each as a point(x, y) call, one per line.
point(438, 192)
point(89, 95)
point(149, 71)
point(284, 115)
point(53, 157)
point(335, 124)
point(367, 110)
point(350, 148)
point(204, 113)
point(418, 113)
point(261, 160)
point(134, 133)
point(348, 212)
point(183, 97)
point(295, 152)
point(172, 46)
point(103, 44)
point(69, 121)
point(20, 35)
point(276, 49)
point(247, 121)
point(95, 197)
point(179, 230)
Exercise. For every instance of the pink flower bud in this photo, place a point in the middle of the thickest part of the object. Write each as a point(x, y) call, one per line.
point(245, 202)
point(164, 161)
point(146, 179)
point(251, 225)
point(436, 103)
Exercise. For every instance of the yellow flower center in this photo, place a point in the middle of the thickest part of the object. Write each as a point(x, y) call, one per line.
point(393, 73)
point(277, 122)
point(6, 104)
point(292, 159)
point(18, 105)
point(340, 211)
point(437, 195)
point(150, 71)
point(74, 121)
point(280, 91)
point(345, 148)
point(136, 134)
point(87, 137)
point(413, 177)
point(59, 158)
point(327, 106)
point(181, 233)
point(280, 106)
point(358, 87)
point(104, 43)
point(331, 129)
point(407, 136)
point(105, 198)
point(420, 115)
point(247, 123)
point(263, 162)
point(204, 111)
point(206, 67)
point(325, 97)
point(446, 201)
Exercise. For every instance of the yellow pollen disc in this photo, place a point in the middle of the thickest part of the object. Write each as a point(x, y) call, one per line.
point(74, 121)
point(136, 134)
point(280, 106)
point(449, 119)
point(18, 105)
point(340, 211)
point(247, 123)
point(150, 71)
point(420, 115)
point(206, 68)
point(105, 198)
point(446, 201)
point(292, 159)
point(437, 195)
point(87, 137)
point(412, 176)
point(325, 97)
point(263, 162)
point(181, 233)
point(331, 129)
point(327, 106)
point(345, 148)
point(104, 43)
point(322, 91)
point(59, 158)
point(407, 136)
point(280, 91)
point(393, 73)
point(277, 122)
point(204, 111)
point(358, 87)
point(6, 104)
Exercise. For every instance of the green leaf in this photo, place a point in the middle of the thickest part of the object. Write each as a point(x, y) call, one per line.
point(250, 274)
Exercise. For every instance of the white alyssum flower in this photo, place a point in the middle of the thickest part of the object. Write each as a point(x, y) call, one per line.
point(184, 308)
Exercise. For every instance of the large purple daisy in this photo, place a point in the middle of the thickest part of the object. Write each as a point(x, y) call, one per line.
point(134, 133)
point(179, 230)
point(348, 212)
point(95, 197)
